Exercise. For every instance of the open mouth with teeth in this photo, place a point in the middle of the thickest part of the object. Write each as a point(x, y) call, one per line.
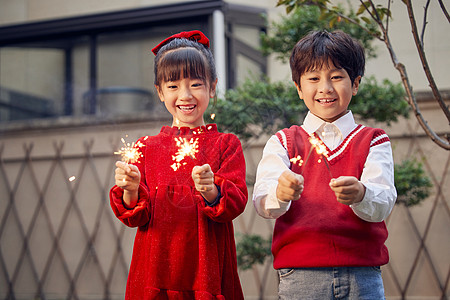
point(186, 108)
point(325, 101)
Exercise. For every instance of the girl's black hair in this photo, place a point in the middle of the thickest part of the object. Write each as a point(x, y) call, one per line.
point(183, 58)
point(320, 48)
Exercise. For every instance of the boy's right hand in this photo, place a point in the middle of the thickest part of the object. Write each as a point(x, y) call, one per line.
point(127, 176)
point(290, 186)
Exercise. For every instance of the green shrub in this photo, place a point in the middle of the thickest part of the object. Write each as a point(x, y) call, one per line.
point(251, 249)
point(412, 183)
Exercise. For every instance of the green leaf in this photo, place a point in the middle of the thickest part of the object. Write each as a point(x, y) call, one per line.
point(366, 20)
point(360, 10)
point(289, 9)
point(332, 22)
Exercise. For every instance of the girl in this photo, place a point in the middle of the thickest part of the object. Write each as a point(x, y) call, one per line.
point(183, 205)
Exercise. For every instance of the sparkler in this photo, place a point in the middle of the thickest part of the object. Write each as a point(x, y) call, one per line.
point(130, 153)
point(297, 160)
point(321, 150)
point(186, 148)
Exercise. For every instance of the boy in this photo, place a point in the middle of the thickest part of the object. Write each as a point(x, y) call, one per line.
point(328, 240)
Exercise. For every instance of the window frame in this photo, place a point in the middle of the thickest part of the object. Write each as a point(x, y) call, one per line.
point(35, 34)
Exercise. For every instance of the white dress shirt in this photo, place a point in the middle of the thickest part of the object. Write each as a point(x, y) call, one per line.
point(377, 175)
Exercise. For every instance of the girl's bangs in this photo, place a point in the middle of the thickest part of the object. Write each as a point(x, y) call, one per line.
point(182, 63)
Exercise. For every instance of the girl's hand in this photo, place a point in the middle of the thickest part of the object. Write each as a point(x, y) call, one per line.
point(203, 178)
point(128, 177)
point(348, 189)
point(290, 186)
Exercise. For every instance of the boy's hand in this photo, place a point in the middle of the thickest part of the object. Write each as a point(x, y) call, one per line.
point(348, 189)
point(127, 176)
point(203, 178)
point(290, 186)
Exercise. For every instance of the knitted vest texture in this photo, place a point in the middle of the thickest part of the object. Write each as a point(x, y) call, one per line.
point(318, 231)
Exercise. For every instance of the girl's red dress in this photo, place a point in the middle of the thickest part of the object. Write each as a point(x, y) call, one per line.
point(184, 249)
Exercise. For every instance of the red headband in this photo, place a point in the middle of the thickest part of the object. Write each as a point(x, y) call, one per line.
point(194, 35)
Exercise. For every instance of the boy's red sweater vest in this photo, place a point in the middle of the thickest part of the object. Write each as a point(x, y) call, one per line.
point(318, 231)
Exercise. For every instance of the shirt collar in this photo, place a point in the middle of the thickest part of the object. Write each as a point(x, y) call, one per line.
point(345, 124)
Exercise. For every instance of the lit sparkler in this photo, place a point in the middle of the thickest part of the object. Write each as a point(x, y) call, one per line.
point(297, 160)
point(213, 116)
point(321, 150)
point(130, 153)
point(186, 148)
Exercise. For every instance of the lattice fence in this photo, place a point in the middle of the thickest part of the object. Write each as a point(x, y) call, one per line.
point(60, 240)
point(58, 236)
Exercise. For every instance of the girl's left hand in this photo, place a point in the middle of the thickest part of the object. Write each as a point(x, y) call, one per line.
point(348, 189)
point(204, 182)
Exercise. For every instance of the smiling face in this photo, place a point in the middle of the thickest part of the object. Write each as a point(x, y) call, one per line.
point(186, 80)
point(187, 100)
point(327, 91)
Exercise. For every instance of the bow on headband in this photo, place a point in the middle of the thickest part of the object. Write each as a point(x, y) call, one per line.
point(194, 35)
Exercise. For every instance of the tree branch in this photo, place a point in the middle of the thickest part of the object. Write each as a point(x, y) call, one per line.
point(387, 19)
point(368, 11)
point(408, 88)
point(423, 59)
point(413, 103)
point(348, 19)
point(444, 143)
point(444, 10)
point(425, 14)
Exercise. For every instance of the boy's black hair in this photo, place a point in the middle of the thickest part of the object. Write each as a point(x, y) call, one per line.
point(319, 48)
point(183, 58)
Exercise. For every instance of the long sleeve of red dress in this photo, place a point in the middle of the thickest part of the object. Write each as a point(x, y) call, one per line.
point(185, 249)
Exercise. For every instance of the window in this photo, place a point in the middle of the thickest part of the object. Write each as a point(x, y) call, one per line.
point(102, 65)
point(32, 81)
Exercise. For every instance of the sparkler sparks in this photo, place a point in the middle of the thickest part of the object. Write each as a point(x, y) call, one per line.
point(297, 160)
point(130, 153)
point(186, 148)
point(321, 150)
